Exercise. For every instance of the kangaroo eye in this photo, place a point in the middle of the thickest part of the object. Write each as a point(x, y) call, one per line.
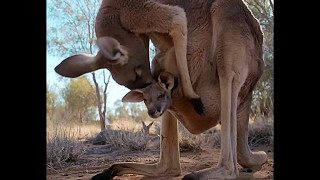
point(161, 96)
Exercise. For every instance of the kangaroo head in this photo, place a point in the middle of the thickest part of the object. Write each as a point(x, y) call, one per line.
point(128, 63)
point(145, 128)
point(157, 96)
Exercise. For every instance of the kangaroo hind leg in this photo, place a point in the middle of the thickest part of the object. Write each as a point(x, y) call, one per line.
point(168, 164)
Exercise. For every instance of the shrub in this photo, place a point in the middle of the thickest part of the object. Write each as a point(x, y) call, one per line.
point(126, 140)
point(187, 141)
point(260, 134)
point(62, 148)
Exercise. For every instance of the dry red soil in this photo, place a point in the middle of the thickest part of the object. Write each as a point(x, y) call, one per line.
point(91, 164)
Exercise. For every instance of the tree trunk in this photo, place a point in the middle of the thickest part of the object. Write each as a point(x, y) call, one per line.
point(102, 118)
point(105, 94)
point(102, 113)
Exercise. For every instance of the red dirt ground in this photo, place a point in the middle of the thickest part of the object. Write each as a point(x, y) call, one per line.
point(92, 164)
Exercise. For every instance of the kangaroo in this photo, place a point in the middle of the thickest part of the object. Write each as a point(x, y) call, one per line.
point(225, 59)
point(104, 136)
point(157, 96)
point(123, 29)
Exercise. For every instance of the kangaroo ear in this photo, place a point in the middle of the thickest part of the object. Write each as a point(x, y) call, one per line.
point(110, 48)
point(150, 125)
point(166, 80)
point(143, 124)
point(79, 64)
point(135, 95)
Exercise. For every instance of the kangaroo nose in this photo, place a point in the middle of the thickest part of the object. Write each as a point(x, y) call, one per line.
point(151, 111)
point(155, 113)
point(158, 109)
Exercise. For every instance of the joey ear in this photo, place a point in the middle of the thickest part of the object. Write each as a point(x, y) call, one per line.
point(166, 80)
point(78, 65)
point(135, 95)
point(111, 50)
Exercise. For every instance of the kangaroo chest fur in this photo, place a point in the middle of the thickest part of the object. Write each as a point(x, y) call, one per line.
point(199, 53)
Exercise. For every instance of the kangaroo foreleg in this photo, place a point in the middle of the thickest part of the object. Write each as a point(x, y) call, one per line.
point(154, 17)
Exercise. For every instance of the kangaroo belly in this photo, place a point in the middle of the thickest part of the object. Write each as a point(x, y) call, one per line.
point(182, 109)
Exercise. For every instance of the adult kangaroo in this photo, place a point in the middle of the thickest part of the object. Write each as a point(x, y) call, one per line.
point(224, 54)
point(122, 28)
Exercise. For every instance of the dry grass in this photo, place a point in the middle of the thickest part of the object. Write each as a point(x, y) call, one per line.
point(62, 147)
point(187, 141)
point(82, 132)
point(132, 126)
point(125, 125)
point(261, 132)
point(130, 141)
point(65, 142)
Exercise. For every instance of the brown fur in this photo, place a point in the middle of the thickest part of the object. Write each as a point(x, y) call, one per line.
point(225, 62)
point(157, 96)
point(223, 45)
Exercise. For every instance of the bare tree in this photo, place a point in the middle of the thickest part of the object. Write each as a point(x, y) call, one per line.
point(102, 110)
point(72, 31)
